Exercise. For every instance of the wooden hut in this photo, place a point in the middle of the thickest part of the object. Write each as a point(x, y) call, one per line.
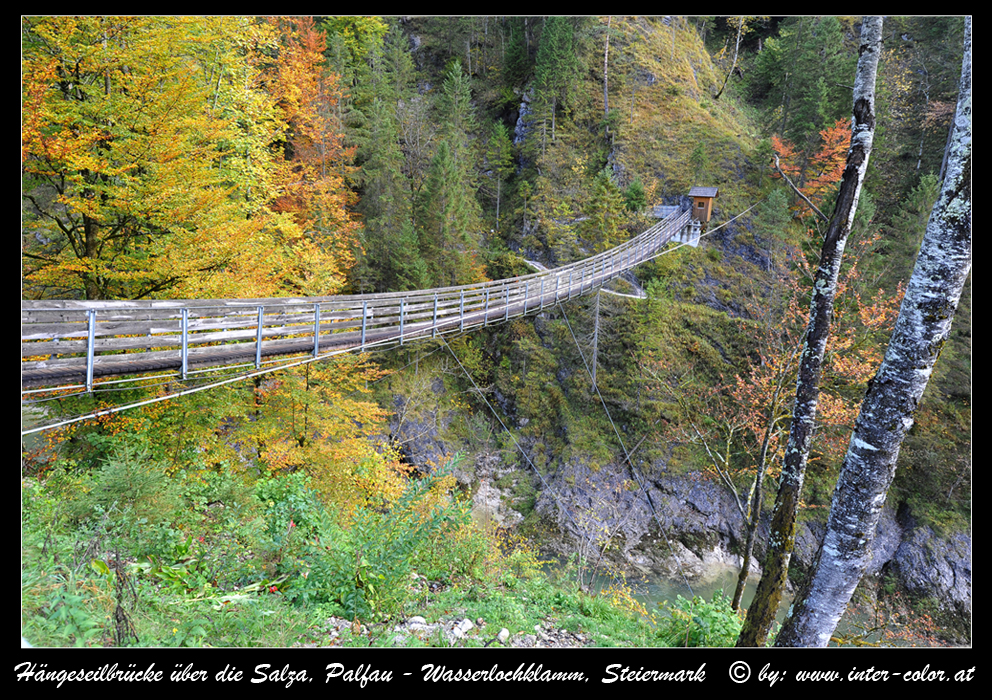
point(702, 202)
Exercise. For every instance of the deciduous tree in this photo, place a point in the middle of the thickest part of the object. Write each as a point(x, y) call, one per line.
point(317, 418)
point(763, 609)
point(886, 415)
point(310, 175)
point(817, 176)
point(144, 157)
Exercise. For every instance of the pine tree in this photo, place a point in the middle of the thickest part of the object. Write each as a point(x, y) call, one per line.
point(390, 260)
point(556, 69)
point(450, 222)
point(802, 74)
point(604, 212)
point(450, 218)
point(499, 161)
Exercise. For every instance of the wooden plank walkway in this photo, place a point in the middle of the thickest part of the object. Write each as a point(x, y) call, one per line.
point(77, 342)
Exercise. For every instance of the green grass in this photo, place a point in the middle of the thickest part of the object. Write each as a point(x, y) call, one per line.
point(265, 569)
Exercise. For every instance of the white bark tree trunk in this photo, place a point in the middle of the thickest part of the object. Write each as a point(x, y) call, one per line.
point(887, 412)
point(761, 614)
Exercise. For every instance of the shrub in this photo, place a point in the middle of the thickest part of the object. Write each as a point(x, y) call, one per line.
point(362, 564)
point(129, 482)
point(698, 623)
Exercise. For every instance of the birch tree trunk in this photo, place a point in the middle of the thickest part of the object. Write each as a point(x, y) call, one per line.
point(887, 412)
point(781, 540)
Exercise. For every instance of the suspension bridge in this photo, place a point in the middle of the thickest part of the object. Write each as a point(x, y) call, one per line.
point(78, 344)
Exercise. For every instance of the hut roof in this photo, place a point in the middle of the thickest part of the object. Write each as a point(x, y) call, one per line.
point(703, 192)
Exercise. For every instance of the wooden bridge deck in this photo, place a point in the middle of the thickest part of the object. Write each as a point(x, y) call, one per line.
point(77, 342)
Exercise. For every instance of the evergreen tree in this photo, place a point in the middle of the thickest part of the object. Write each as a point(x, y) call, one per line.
point(390, 261)
point(803, 76)
point(451, 222)
point(516, 55)
point(604, 213)
point(450, 218)
point(557, 68)
point(635, 198)
point(907, 225)
point(455, 112)
point(499, 162)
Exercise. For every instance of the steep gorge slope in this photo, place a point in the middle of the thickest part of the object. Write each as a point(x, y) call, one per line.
point(564, 465)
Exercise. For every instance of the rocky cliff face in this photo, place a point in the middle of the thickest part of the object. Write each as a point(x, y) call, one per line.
point(676, 525)
point(689, 526)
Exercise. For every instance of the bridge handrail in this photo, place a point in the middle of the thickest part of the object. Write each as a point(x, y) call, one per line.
point(177, 334)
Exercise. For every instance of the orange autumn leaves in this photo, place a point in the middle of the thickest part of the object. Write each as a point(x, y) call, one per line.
point(311, 175)
point(202, 157)
point(181, 157)
point(760, 398)
point(817, 174)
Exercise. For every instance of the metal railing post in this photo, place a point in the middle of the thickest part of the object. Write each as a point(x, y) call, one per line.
point(258, 338)
point(316, 329)
point(402, 312)
point(461, 313)
point(365, 316)
point(90, 346)
point(185, 342)
point(434, 322)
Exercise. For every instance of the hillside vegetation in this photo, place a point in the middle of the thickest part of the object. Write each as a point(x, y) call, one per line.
point(240, 157)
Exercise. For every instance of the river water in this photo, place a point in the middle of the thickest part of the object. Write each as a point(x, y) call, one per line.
point(654, 592)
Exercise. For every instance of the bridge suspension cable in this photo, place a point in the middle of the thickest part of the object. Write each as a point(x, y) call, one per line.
point(79, 343)
point(627, 455)
point(90, 342)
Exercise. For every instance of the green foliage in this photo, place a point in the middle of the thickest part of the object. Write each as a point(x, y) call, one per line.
point(635, 199)
point(904, 233)
point(499, 161)
point(604, 213)
point(70, 617)
point(557, 65)
point(516, 62)
point(128, 483)
point(802, 75)
point(363, 566)
point(700, 623)
point(391, 260)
